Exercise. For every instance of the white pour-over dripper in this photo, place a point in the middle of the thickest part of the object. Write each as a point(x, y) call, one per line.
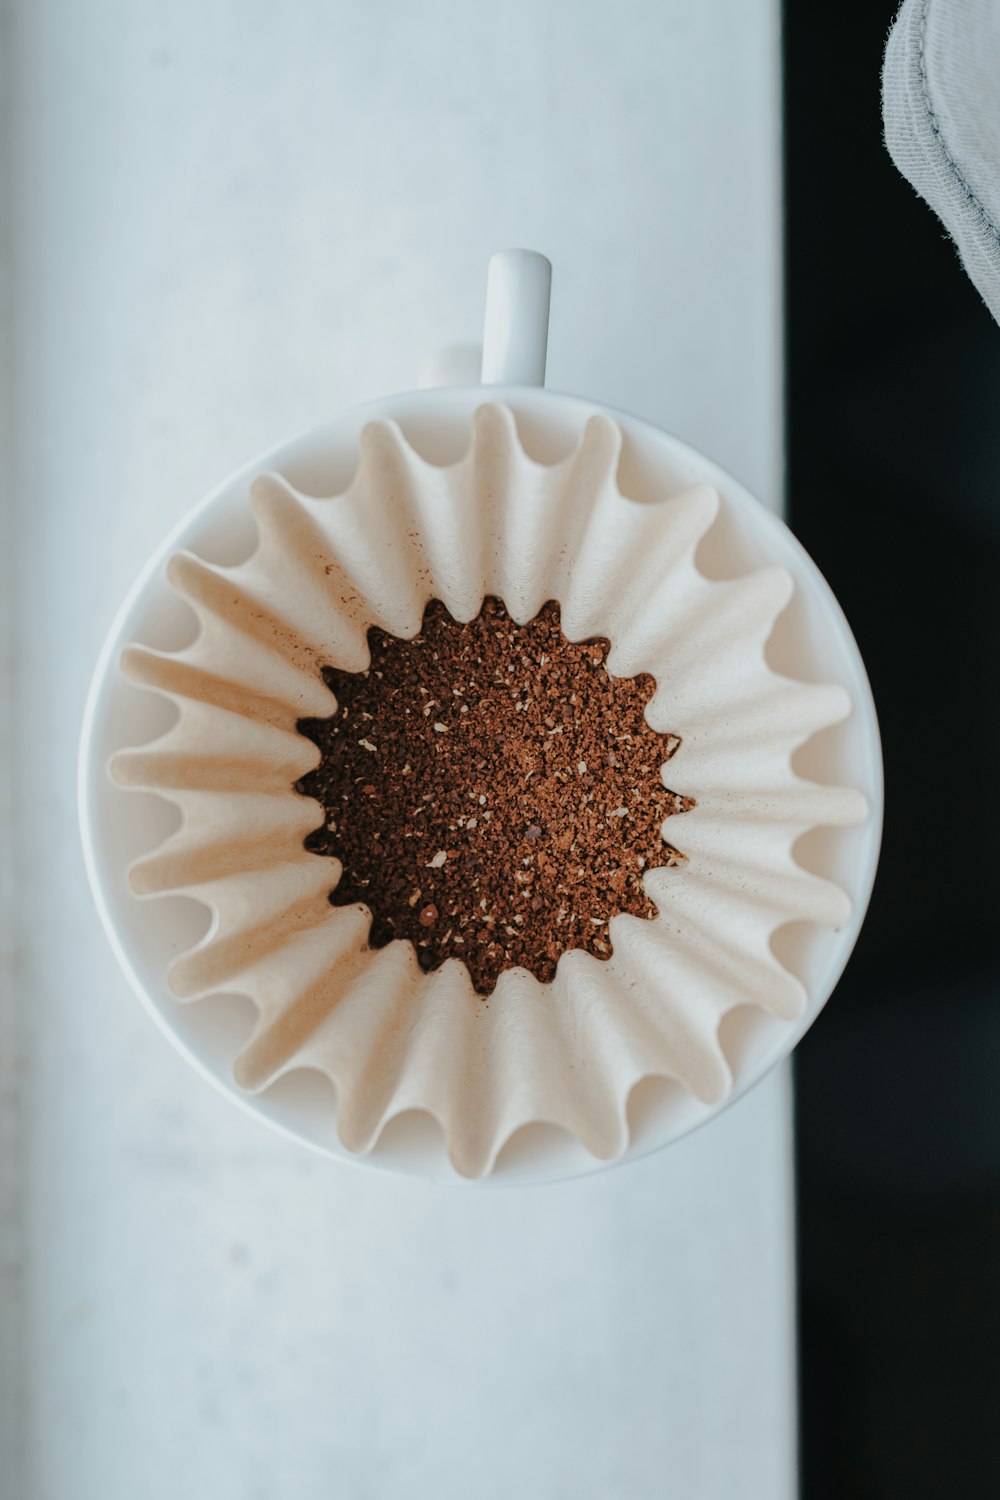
point(811, 641)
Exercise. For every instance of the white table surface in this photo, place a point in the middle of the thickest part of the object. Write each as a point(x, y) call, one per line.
point(229, 220)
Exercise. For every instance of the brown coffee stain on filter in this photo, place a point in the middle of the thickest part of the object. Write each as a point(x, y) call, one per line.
point(492, 792)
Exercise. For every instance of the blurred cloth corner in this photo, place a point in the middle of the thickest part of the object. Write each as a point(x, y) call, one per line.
point(941, 108)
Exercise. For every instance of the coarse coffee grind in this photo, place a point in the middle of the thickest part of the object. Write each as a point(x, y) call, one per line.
point(492, 793)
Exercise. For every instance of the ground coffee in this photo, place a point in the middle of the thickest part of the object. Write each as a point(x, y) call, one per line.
point(492, 793)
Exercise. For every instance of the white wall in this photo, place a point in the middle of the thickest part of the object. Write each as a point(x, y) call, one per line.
point(231, 219)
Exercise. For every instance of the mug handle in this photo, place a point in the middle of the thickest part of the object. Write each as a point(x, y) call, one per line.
point(516, 330)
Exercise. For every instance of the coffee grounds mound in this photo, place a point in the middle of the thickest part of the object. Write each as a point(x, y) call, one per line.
point(492, 793)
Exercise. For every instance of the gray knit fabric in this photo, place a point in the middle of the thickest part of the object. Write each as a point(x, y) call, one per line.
point(941, 107)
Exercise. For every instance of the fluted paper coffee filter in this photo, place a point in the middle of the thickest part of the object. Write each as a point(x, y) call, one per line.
point(390, 1037)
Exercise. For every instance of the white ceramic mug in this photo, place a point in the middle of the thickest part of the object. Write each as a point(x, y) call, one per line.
point(812, 640)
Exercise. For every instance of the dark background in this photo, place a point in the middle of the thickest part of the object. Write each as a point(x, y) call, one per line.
point(894, 482)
